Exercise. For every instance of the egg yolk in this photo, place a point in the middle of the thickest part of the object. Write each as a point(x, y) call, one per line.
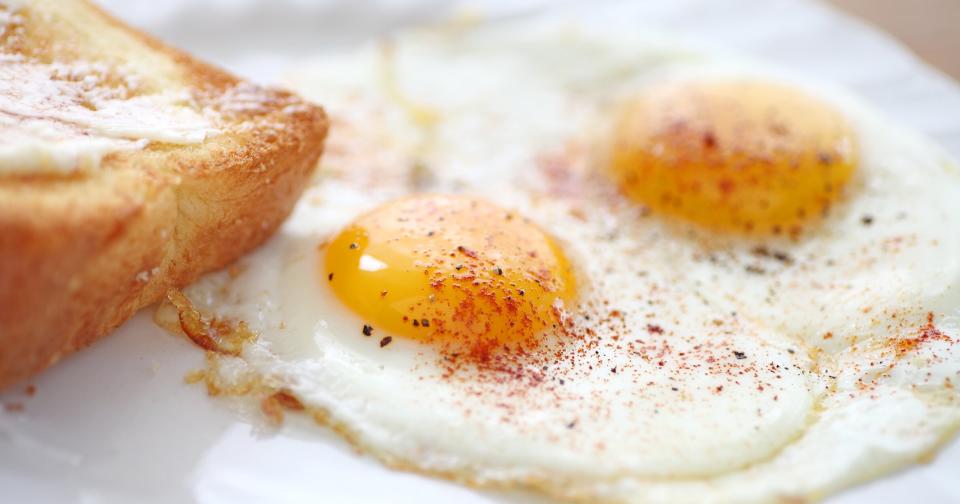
point(747, 156)
point(451, 270)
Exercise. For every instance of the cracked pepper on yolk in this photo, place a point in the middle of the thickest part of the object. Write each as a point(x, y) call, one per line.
point(452, 270)
point(745, 156)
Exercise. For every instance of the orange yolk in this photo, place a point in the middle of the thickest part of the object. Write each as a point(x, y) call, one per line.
point(742, 156)
point(450, 270)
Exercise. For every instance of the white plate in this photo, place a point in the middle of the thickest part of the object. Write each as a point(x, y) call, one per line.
point(117, 424)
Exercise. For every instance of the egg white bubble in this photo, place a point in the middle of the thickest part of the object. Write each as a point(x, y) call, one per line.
point(712, 383)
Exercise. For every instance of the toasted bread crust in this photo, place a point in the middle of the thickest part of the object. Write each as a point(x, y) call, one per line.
point(80, 254)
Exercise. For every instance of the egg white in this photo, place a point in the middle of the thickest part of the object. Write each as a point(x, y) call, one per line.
point(713, 384)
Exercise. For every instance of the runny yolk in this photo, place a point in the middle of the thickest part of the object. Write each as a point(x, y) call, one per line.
point(733, 155)
point(450, 270)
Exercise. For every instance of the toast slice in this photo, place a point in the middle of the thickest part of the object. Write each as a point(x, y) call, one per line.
point(126, 168)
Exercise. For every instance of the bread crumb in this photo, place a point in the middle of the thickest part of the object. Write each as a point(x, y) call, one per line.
point(272, 409)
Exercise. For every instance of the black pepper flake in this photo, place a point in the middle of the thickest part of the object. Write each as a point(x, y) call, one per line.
point(383, 293)
point(354, 246)
point(458, 267)
point(675, 389)
point(763, 251)
point(430, 233)
point(562, 381)
point(416, 323)
point(385, 341)
point(791, 351)
point(740, 355)
point(330, 277)
point(425, 322)
point(866, 220)
point(520, 291)
point(572, 424)
point(756, 270)
point(709, 140)
point(783, 257)
point(467, 252)
point(499, 270)
point(613, 370)
point(367, 330)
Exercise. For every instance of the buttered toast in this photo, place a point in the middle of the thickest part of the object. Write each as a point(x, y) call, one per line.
point(126, 168)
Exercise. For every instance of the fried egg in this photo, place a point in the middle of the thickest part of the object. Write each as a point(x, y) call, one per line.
point(607, 267)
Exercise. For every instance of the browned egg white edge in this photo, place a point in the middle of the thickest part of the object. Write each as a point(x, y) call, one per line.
point(225, 338)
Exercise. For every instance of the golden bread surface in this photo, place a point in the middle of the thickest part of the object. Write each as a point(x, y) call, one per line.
point(82, 250)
